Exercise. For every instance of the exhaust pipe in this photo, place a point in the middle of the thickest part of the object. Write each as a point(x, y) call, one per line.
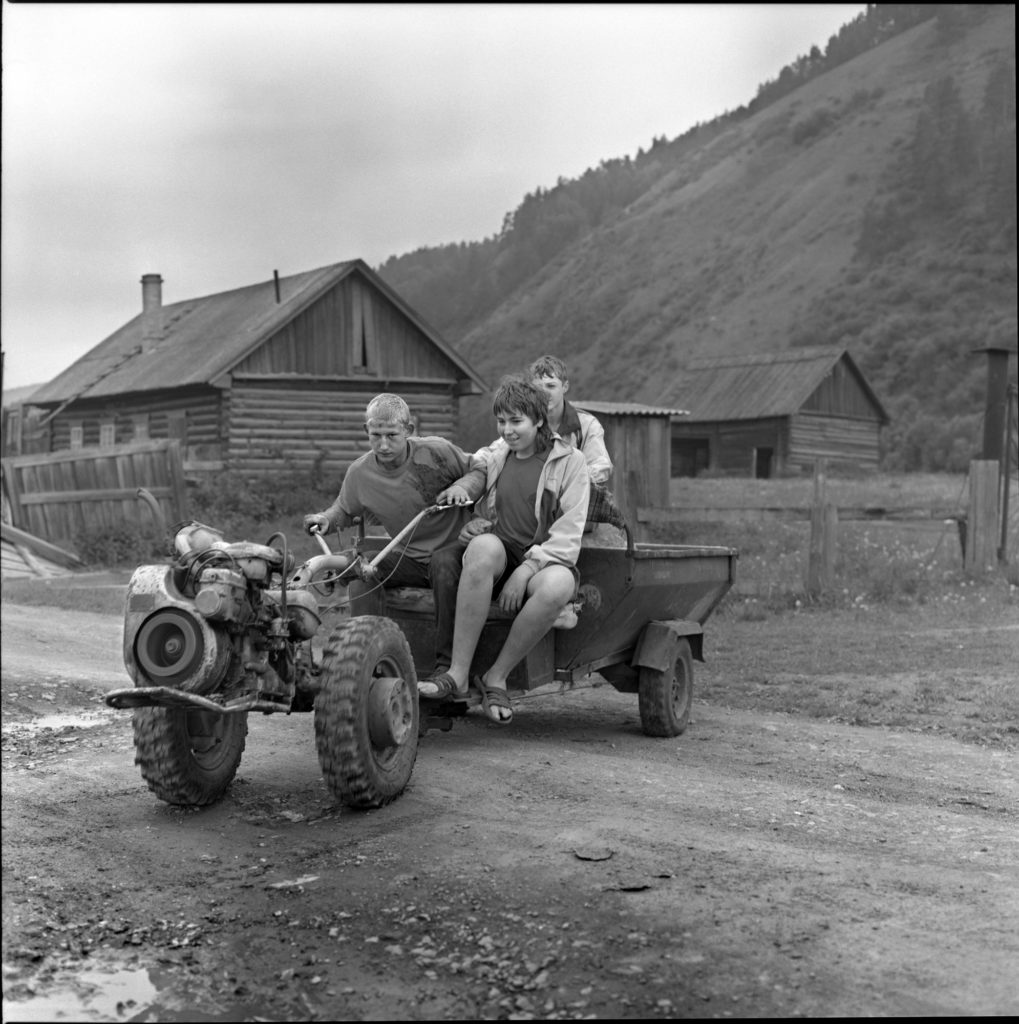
point(159, 520)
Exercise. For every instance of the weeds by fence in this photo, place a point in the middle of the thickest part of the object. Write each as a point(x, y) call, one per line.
point(903, 547)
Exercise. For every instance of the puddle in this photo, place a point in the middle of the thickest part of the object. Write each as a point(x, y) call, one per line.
point(128, 996)
point(89, 996)
point(87, 720)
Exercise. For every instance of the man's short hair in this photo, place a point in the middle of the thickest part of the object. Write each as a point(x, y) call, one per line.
point(518, 394)
point(548, 366)
point(387, 408)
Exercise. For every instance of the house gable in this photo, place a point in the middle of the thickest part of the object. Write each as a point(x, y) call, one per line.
point(351, 331)
point(845, 392)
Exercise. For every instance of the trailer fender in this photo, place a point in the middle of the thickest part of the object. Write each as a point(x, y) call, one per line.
point(659, 641)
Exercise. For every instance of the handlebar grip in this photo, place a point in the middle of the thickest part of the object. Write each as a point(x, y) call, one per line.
point(316, 532)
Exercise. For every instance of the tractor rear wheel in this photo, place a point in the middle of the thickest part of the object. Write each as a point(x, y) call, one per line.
point(188, 757)
point(366, 712)
point(665, 696)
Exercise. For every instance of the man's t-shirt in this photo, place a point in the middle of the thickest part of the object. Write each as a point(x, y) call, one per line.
point(393, 497)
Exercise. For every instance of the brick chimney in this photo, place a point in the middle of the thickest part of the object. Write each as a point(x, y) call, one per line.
point(152, 310)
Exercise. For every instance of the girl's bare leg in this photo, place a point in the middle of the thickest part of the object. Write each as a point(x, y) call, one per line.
point(483, 563)
point(547, 592)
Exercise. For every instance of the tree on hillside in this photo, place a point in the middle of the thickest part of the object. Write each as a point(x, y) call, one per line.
point(457, 286)
point(998, 149)
point(869, 29)
point(934, 274)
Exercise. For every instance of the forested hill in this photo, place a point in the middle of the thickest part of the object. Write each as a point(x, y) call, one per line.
point(865, 197)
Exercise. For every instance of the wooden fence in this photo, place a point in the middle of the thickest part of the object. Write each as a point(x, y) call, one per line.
point(59, 495)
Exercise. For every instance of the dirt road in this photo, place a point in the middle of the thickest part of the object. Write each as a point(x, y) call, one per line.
point(565, 867)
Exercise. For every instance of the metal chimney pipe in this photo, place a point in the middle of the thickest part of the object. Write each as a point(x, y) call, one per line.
point(996, 405)
point(152, 309)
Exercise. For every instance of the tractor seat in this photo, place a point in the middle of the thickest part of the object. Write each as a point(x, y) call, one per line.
point(421, 601)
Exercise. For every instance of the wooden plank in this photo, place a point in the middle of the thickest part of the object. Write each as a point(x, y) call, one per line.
point(37, 567)
point(99, 494)
point(821, 551)
point(81, 455)
point(12, 535)
point(12, 490)
point(982, 517)
point(178, 483)
point(278, 380)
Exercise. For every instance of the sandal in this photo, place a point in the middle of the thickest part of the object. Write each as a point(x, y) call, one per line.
point(493, 699)
point(445, 686)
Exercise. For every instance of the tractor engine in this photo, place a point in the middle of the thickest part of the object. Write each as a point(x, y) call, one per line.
point(209, 622)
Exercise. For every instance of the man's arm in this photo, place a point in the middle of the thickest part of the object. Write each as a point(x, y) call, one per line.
point(471, 484)
point(344, 511)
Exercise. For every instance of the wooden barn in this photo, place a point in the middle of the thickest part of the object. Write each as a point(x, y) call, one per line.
point(775, 414)
point(638, 441)
point(263, 377)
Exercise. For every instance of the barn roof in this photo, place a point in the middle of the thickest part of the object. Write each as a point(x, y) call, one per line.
point(204, 338)
point(625, 409)
point(744, 387)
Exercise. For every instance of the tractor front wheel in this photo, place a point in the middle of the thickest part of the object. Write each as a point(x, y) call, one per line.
point(665, 696)
point(188, 757)
point(366, 712)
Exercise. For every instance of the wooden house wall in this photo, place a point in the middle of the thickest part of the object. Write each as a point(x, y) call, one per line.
point(277, 423)
point(191, 415)
point(855, 442)
point(841, 394)
point(639, 447)
point(732, 443)
point(351, 331)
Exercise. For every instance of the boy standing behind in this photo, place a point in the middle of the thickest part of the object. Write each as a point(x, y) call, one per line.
point(577, 428)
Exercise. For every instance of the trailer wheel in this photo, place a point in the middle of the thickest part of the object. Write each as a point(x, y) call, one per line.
point(366, 712)
point(665, 696)
point(188, 757)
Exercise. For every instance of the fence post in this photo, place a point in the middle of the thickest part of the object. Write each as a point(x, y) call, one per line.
point(823, 536)
point(982, 517)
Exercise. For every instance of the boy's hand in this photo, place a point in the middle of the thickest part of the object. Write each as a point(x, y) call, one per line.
point(316, 519)
point(474, 528)
point(453, 495)
point(514, 590)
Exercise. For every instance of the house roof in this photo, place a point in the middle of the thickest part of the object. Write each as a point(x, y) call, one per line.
point(626, 409)
point(204, 338)
point(743, 387)
point(18, 396)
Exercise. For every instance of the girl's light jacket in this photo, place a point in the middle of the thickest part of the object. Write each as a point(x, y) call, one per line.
point(564, 490)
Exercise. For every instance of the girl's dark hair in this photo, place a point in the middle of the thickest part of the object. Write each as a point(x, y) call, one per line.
point(516, 394)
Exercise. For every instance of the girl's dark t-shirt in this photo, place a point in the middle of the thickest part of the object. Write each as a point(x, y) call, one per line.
point(515, 498)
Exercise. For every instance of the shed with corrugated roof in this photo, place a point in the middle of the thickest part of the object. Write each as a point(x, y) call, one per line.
point(775, 414)
point(263, 377)
point(638, 440)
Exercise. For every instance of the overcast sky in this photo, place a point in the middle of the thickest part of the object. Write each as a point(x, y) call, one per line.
point(214, 144)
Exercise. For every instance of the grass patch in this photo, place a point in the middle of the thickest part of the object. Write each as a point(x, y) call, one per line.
point(895, 562)
point(878, 490)
point(102, 593)
point(947, 668)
